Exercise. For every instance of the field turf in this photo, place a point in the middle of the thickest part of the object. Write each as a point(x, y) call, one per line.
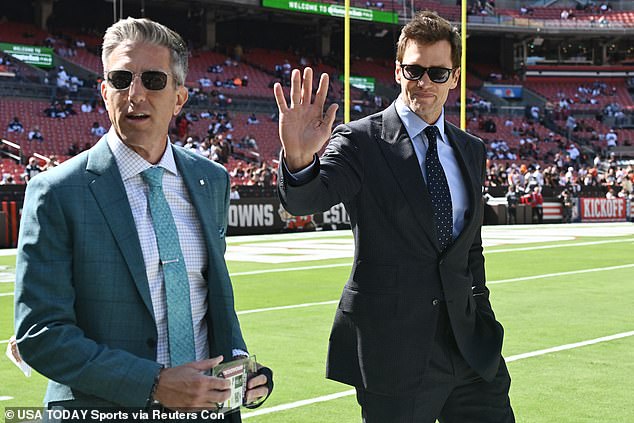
point(566, 286)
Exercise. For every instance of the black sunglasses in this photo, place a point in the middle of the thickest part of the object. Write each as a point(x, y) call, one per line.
point(416, 72)
point(152, 80)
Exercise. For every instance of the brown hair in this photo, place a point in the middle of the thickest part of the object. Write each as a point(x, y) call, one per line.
point(427, 27)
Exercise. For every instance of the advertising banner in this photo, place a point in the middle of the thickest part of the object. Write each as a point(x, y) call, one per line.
point(268, 216)
point(603, 210)
point(33, 55)
point(330, 9)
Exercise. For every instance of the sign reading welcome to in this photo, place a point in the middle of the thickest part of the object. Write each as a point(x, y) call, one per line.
point(335, 10)
point(32, 55)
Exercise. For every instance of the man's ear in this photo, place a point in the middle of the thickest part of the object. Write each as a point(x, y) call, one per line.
point(104, 93)
point(181, 98)
point(397, 73)
point(455, 77)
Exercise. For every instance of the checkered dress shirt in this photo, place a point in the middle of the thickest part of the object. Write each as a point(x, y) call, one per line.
point(189, 234)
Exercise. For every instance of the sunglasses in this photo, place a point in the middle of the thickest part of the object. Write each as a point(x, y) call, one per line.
point(416, 72)
point(152, 80)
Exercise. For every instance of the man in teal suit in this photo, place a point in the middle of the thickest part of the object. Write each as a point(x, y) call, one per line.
point(91, 311)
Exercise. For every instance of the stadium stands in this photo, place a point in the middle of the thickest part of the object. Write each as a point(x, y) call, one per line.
point(263, 66)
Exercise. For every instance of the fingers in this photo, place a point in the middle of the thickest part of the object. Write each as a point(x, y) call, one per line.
point(219, 386)
point(256, 381)
point(331, 115)
point(204, 365)
point(307, 88)
point(256, 388)
point(322, 91)
point(296, 84)
point(279, 98)
point(255, 394)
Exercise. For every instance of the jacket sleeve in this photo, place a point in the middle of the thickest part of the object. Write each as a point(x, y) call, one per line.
point(45, 316)
point(476, 256)
point(337, 176)
point(237, 340)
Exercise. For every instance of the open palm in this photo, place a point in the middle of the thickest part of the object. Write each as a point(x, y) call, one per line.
point(303, 127)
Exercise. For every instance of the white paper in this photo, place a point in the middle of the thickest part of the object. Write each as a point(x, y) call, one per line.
point(26, 369)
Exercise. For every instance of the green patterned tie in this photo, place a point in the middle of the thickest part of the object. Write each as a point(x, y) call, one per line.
point(179, 312)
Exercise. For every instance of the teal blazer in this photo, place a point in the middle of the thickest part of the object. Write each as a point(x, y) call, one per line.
point(80, 273)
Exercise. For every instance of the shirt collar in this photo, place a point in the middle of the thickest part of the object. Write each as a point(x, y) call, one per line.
point(130, 163)
point(414, 124)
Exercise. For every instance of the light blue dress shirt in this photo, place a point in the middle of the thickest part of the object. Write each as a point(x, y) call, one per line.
point(414, 125)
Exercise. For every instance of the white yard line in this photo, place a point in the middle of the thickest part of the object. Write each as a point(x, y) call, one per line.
point(569, 346)
point(287, 307)
point(296, 404)
point(329, 302)
point(546, 247)
point(290, 269)
point(551, 275)
point(512, 358)
point(5, 398)
point(507, 250)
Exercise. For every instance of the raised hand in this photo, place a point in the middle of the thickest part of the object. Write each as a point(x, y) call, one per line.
point(304, 128)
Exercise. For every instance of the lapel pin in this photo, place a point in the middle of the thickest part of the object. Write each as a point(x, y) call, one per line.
point(202, 182)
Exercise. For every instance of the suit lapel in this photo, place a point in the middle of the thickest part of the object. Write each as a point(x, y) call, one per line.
point(399, 152)
point(109, 192)
point(199, 189)
point(471, 180)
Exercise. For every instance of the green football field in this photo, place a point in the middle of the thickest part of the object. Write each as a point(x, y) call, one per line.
point(564, 293)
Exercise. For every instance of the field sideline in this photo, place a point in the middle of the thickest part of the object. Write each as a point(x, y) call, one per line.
point(564, 294)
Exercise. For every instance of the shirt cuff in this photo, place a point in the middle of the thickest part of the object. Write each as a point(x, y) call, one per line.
point(303, 176)
point(238, 352)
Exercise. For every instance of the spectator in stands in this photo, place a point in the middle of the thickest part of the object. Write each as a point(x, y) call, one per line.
point(567, 204)
point(234, 194)
point(7, 179)
point(252, 120)
point(86, 107)
point(63, 80)
point(245, 81)
point(68, 107)
point(611, 139)
point(536, 200)
point(97, 130)
point(574, 153)
point(627, 185)
point(73, 150)
point(512, 200)
point(15, 126)
point(51, 162)
point(35, 134)
point(31, 169)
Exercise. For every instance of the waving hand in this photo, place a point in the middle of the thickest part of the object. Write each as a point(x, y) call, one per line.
point(304, 128)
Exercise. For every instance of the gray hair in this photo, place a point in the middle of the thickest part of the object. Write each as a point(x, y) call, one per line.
point(147, 31)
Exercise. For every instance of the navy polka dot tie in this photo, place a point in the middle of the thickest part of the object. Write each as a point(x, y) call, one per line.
point(438, 190)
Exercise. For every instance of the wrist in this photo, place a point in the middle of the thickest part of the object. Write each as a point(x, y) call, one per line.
point(298, 162)
point(152, 400)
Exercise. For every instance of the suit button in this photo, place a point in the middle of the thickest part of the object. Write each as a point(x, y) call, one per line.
point(435, 302)
point(151, 342)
